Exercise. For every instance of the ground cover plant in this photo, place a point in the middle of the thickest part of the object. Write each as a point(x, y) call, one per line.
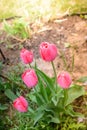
point(19, 28)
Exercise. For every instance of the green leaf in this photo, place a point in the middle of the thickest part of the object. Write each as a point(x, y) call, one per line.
point(39, 97)
point(43, 89)
point(32, 97)
point(74, 92)
point(55, 120)
point(69, 110)
point(3, 107)
point(7, 28)
point(10, 94)
point(82, 79)
point(35, 97)
point(49, 108)
point(56, 97)
point(38, 114)
point(46, 79)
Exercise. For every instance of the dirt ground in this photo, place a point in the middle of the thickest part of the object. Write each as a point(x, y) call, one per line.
point(70, 36)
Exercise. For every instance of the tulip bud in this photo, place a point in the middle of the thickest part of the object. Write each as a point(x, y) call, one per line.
point(30, 78)
point(64, 80)
point(48, 51)
point(26, 56)
point(20, 104)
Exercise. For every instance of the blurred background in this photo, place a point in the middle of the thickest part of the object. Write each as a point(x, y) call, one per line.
point(41, 9)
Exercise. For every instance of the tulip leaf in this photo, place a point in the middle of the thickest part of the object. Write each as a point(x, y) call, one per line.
point(32, 97)
point(69, 110)
point(36, 97)
point(38, 114)
point(10, 94)
point(74, 92)
point(43, 89)
point(48, 81)
point(56, 97)
point(55, 120)
point(39, 97)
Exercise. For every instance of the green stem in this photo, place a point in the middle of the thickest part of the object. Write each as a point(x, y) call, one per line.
point(10, 94)
point(30, 66)
point(65, 96)
point(54, 69)
point(55, 75)
point(64, 60)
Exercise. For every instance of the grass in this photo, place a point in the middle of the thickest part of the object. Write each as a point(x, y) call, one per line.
point(40, 9)
point(18, 28)
point(19, 122)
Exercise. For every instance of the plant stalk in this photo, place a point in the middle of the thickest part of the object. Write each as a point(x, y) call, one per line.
point(55, 75)
point(30, 66)
point(4, 58)
point(65, 96)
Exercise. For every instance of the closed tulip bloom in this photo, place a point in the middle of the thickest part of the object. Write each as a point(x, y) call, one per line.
point(20, 104)
point(30, 78)
point(64, 80)
point(48, 51)
point(26, 56)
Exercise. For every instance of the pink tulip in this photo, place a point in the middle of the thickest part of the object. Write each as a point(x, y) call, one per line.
point(20, 104)
point(26, 56)
point(30, 78)
point(48, 51)
point(64, 80)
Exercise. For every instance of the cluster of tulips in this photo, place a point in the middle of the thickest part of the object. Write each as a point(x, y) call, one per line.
point(48, 53)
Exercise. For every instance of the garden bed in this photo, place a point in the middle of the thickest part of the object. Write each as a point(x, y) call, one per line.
point(70, 36)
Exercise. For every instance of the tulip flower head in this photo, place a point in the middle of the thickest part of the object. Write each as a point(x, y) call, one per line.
point(64, 80)
point(26, 56)
point(20, 104)
point(30, 78)
point(48, 51)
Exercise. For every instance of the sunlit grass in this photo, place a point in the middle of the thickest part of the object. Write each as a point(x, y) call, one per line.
point(40, 9)
point(74, 6)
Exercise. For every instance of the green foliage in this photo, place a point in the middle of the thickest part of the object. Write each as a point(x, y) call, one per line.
point(71, 124)
point(49, 106)
point(19, 28)
point(82, 79)
point(74, 92)
point(9, 82)
point(10, 94)
point(52, 101)
point(3, 107)
point(2, 88)
point(22, 123)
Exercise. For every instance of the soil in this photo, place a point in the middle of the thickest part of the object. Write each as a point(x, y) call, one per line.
point(70, 36)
